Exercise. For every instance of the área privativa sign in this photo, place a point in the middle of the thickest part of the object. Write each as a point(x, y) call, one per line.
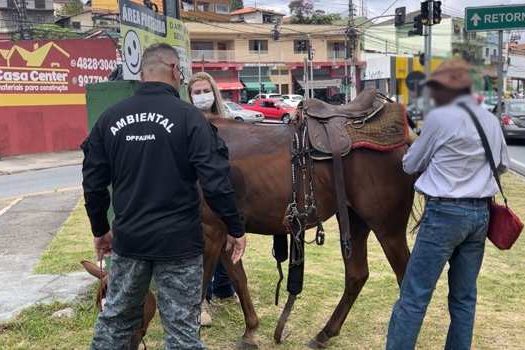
point(54, 66)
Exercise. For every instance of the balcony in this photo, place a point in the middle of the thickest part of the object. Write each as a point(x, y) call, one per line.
point(336, 56)
point(212, 55)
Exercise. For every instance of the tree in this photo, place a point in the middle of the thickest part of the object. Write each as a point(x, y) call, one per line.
point(236, 4)
point(301, 10)
point(72, 8)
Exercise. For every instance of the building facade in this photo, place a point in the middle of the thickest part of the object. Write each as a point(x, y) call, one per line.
point(245, 59)
point(12, 12)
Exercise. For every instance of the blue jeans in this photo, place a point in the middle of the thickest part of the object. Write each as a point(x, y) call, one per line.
point(453, 231)
point(220, 286)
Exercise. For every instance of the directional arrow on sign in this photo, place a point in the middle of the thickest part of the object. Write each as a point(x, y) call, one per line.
point(475, 19)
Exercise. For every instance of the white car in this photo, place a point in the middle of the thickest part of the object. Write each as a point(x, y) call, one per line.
point(264, 96)
point(235, 111)
point(292, 100)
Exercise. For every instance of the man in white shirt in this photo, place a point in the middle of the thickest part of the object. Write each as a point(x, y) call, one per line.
point(457, 182)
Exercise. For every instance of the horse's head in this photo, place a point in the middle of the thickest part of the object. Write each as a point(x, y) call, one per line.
point(150, 303)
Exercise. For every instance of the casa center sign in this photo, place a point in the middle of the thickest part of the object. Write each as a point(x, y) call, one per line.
point(495, 17)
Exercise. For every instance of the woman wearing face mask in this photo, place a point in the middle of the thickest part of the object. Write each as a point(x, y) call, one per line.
point(205, 95)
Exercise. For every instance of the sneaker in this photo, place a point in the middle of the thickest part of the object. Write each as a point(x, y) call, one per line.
point(206, 319)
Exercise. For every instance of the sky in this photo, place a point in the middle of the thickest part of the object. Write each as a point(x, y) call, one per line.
point(376, 7)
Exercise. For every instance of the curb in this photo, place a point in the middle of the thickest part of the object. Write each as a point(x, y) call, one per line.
point(517, 167)
point(44, 167)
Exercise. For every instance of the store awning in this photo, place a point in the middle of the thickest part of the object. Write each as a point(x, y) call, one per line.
point(230, 85)
point(321, 84)
point(268, 86)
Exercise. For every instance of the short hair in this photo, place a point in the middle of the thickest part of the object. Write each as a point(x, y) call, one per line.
point(153, 53)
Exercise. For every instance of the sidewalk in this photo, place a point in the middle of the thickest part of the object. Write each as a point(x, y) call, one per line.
point(39, 161)
point(27, 229)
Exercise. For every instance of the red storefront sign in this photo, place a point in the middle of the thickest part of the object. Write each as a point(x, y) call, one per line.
point(42, 86)
point(53, 67)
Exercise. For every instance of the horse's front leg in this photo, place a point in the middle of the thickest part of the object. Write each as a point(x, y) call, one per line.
point(240, 283)
point(356, 274)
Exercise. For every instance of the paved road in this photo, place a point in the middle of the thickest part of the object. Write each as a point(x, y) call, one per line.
point(40, 181)
point(517, 154)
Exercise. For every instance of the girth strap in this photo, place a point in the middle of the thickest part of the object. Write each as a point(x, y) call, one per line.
point(340, 193)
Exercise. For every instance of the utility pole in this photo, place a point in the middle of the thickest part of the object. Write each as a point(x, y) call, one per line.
point(351, 38)
point(259, 65)
point(20, 17)
point(428, 61)
point(500, 73)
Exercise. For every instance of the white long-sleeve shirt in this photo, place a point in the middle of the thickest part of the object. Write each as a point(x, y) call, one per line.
point(450, 155)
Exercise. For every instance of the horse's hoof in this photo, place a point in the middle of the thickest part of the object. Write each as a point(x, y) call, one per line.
point(247, 344)
point(316, 344)
point(280, 338)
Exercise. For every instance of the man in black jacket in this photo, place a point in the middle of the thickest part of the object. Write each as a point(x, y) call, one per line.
point(152, 148)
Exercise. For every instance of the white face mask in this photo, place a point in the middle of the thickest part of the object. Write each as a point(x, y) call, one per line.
point(203, 101)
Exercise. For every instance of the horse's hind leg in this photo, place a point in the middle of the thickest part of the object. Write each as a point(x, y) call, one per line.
point(356, 274)
point(391, 234)
point(240, 283)
point(214, 242)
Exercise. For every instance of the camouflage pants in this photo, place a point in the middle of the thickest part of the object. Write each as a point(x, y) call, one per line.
point(179, 295)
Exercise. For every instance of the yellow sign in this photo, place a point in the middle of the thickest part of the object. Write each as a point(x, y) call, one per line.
point(111, 6)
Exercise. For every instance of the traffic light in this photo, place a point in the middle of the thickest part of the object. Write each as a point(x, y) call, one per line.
point(400, 16)
point(425, 13)
point(418, 26)
point(436, 12)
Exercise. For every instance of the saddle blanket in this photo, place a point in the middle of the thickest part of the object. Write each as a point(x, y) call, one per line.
point(385, 131)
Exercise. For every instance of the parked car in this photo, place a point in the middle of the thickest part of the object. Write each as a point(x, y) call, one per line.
point(513, 119)
point(272, 109)
point(292, 100)
point(264, 96)
point(235, 111)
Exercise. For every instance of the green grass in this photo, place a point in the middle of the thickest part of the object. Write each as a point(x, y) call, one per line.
point(500, 321)
point(71, 244)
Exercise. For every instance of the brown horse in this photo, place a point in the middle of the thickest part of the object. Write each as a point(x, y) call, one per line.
point(379, 195)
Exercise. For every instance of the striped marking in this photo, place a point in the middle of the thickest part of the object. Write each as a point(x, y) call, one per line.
point(12, 204)
point(12, 100)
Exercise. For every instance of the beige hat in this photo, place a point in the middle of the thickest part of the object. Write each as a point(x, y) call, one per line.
point(453, 74)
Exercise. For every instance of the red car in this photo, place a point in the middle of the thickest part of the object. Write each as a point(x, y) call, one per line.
point(272, 109)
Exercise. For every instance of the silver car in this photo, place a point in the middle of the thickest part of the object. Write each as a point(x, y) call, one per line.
point(235, 111)
point(513, 119)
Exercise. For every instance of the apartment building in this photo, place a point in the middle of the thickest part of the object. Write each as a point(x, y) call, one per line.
point(244, 57)
point(11, 12)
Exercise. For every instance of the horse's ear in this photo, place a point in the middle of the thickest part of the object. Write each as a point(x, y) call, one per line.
point(93, 269)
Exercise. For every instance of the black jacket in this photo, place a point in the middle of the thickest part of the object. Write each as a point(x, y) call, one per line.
point(152, 148)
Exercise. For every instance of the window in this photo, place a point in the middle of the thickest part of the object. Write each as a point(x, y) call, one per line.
point(268, 104)
point(11, 4)
point(222, 8)
point(40, 4)
point(75, 25)
point(256, 45)
point(495, 52)
point(300, 46)
point(267, 18)
point(487, 52)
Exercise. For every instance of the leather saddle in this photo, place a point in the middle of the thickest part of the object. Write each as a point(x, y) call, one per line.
point(327, 132)
point(327, 123)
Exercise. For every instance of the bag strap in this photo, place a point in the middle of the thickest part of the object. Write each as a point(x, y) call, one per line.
point(486, 146)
